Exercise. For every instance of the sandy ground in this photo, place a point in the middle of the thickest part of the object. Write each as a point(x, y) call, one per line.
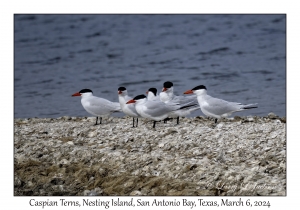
point(72, 156)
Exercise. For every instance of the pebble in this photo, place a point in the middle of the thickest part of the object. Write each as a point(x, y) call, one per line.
point(135, 192)
point(92, 134)
point(161, 145)
point(70, 143)
point(271, 115)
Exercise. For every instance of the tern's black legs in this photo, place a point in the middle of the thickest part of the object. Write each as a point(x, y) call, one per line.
point(154, 124)
point(137, 121)
point(97, 120)
point(177, 120)
point(215, 124)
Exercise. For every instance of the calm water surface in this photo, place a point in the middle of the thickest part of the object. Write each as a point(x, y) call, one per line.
point(239, 58)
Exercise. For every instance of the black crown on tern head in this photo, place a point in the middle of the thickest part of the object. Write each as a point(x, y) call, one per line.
point(199, 87)
point(121, 88)
point(153, 90)
point(86, 91)
point(168, 84)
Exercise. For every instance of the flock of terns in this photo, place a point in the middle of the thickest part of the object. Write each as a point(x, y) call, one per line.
point(164, 106)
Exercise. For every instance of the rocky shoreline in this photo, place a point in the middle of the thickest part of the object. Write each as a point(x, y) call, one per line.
point(71, 156)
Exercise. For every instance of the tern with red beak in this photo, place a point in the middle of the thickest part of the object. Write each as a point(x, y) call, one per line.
point(154, 110)
point(214, 107)
point(128, 109)
point(96, 106)
point(167, 96)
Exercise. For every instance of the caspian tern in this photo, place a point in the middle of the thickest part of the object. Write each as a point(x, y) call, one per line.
point(167, 96)
point(128, 109)
point(214, 107)
point(96, 106)
point(154, 110)
point(151, 94)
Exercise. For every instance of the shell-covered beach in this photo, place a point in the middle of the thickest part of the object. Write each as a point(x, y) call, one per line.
point(72, 156)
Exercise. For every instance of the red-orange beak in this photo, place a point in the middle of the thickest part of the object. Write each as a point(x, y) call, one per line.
point(188, 92)
point(130, 101)
point(164, 89)
point(76, 94)
point(119, 92)
point(147, 92)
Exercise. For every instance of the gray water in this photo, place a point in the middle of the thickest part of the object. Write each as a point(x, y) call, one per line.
point(239, 58)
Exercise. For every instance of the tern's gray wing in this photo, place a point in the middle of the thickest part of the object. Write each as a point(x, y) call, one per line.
point(101, 106)
point(157, 108)
point(219, 106)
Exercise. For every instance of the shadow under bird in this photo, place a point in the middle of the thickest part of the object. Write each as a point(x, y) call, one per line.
point(128, 109)
point(96, 106)
point(215, 107)
point(167, 95)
